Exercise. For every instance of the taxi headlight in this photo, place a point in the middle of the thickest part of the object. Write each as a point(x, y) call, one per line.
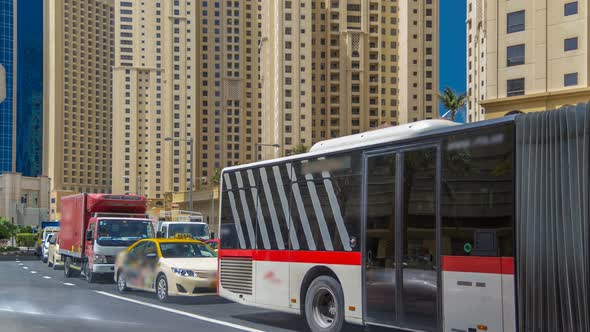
point(183, 273)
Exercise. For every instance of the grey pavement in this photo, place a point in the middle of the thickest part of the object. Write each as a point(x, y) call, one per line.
point(42, 301)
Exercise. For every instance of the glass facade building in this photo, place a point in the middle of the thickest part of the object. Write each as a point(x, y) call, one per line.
point(29, 126)
point(6, 84)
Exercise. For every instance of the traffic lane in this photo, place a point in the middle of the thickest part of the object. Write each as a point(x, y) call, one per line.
point(31, 299)
point(209, 306)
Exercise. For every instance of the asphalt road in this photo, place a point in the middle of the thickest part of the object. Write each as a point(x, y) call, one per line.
point(34, 297)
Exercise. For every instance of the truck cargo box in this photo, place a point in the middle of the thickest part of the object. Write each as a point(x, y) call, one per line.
point(73, 222)
point(116, 203)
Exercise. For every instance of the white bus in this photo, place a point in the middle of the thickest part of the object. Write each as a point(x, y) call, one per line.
point(429, 226)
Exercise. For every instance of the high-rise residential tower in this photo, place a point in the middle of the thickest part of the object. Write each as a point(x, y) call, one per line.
point(185, 70)
point(535, 55)
point(78, 94)
point(476, 59)
point(332, 68)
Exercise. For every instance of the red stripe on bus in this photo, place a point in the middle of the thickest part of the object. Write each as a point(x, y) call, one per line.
point(296, 256)
point(477, 264)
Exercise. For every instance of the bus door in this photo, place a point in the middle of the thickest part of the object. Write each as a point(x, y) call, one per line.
point(401, 249)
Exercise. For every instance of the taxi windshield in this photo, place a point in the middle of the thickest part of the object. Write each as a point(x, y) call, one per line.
point(186, 250)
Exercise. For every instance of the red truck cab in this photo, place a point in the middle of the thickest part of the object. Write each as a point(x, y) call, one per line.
point(96, 227)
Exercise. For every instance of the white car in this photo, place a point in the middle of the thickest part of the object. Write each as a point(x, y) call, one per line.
point(45, 248)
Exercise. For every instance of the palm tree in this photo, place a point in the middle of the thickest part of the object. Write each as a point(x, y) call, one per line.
point(452, 101)
point(216, 178)
point(300, 148)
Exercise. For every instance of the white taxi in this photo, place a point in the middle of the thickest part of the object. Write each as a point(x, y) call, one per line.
point(168, 267)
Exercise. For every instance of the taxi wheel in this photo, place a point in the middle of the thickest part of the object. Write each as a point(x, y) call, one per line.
point(121, 282)
point(162, 289)
point(44, 260)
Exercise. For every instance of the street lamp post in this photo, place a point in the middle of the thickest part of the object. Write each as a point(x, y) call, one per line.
point(190, 143)
point(258, 145)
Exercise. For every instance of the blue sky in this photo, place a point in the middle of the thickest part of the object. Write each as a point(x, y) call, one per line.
point(452, 47)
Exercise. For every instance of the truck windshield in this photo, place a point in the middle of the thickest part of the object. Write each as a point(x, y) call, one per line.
point(121, 232)
point(198, 231)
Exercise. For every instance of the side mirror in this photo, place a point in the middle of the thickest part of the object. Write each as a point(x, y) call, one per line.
point(159, 234)
point(89, 236)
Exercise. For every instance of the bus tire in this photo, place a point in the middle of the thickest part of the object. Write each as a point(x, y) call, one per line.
point(324, 305)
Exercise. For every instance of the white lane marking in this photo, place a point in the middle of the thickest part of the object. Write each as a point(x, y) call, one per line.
point(33, 272)
point(21, 264)
point(46, 277)
point(184, 313)
point(26, 268)
point(68, 284)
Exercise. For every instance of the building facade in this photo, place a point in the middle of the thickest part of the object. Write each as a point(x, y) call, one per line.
point(29, 94)
point(184, 70)
point(476, 57)
point(536, 55)
point(7, 86)
point(78, 62)
point(24, 200)
point(332, 68)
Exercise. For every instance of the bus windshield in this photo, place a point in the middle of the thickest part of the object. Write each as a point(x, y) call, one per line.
point(198, 231)
point(121, 232)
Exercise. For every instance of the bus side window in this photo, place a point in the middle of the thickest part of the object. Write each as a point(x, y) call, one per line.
point(477, 214)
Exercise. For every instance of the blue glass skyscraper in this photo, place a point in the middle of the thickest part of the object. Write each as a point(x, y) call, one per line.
point(6, 85)
point(21, 106)
point(29, 108)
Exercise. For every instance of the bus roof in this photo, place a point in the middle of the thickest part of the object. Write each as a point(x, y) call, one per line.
point(384, 135)
point(379, 136)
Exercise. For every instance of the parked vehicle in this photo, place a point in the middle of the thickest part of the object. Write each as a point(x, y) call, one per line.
point(53, 256)
point(169, 267)
point(213, 243)
point(198, 229)
point(45, 235)
point(96, 227)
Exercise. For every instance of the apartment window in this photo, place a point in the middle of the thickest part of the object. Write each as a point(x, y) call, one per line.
point(515, 22)
point(515, 55)
point(570, 44)
point(515, 87)
point(570, 79)
point(570, 8)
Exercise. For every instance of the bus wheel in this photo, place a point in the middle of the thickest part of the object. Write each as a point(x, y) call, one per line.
point(324, 305)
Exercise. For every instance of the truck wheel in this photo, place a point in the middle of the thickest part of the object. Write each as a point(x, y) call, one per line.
point(324, 305)
point(90, 277)
point(162, 289)
point(121, 283)
point(68, 271)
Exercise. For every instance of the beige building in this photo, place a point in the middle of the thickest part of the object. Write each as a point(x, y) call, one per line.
point(77, 96)
point(186, 70)
point(332, 68)
point(476, 57)
point(536, 55)
point(24, 200)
